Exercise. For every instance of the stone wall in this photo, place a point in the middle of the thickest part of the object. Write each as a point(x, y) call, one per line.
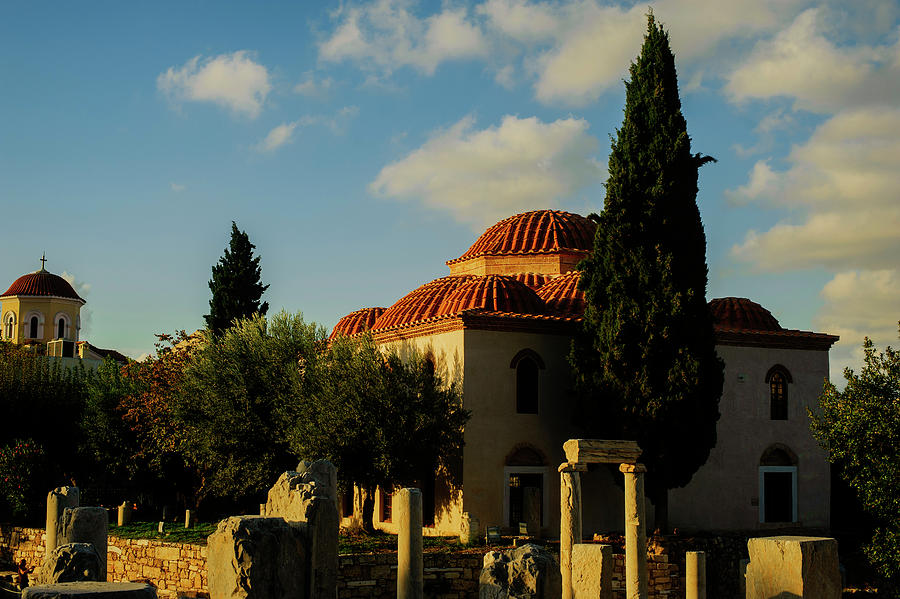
point(171, 566)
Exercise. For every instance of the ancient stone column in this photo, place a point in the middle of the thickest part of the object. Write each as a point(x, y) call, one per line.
point(636, 586)
point(124, 516)
point(86, 525)
point(410, 567)
point(569, 521)
point(695, 575)
point(592, 571)
point(57, 501)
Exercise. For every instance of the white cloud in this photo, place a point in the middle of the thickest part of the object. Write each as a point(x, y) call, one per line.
point(311, 87)
point(83, 290)
point(385, 36)
point(803, 62)
point(177, 187)
point(284, 133)
point(231, 80)
point(482, 175)
point(845, 178)
point(859, 304)
point(277, 137)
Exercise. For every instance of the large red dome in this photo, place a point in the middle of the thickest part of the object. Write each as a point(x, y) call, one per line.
point(495, 293)
point(42, 283)
point(537, 232)
point(741, 313)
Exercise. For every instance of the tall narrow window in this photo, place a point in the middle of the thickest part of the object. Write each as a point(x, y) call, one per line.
point(527, 387)
point(10, 326)
point(33, 327)
point(61, 329)
point(778, 379)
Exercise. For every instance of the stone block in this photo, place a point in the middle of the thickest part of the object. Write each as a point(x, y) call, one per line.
point(601, 451)
point(527, 572)
point(91, 590)
point(58, 500)
point(793, 567)
point(74, 562)
point(592, 568)
point(252, 557)
point(86, 525)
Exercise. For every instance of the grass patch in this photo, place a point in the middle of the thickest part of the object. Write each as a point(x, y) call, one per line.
point(172, 533)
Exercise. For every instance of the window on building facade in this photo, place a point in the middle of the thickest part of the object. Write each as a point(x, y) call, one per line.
point(525, 468)
point(61, 329)
point(778, 379)
point(33, 327)
point(527, 364)
point(387, 500)
point(10, 326)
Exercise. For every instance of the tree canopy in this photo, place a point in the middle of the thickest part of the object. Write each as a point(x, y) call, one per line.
point(236, 284)
point(645, 363)
point(860, 429)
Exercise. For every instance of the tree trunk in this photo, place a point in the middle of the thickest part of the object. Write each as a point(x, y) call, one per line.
point(368, 515)
point(661, 510)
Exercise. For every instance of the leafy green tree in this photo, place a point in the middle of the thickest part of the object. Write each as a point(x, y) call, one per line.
point(235, 402)
point(23, 475)
point(235, 285)
point(380, 419)
point(645, 363)
point(860, 429)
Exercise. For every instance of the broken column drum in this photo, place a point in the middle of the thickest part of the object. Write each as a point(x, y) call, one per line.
point(58, 500)
point(86, 525)
point(410, 566)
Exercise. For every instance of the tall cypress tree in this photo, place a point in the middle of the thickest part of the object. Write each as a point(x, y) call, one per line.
point(645, 363)
point(235, 284)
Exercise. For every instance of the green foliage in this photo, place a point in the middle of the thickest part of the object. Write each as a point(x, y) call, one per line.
point(645, 364)
point(234, 402)
point(22, 467)
point(381, 420)
point(860, 429)
point(235, 284)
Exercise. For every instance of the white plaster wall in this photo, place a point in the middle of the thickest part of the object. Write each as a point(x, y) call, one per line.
point(723, 494)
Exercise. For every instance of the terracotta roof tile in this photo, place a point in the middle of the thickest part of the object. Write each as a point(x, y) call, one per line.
point(533, 280)
point(495, 293)
point(421, 303)
point(741, 313)
point(42, 283)
point(540, 231)
point(562, 296)
point(356, 322)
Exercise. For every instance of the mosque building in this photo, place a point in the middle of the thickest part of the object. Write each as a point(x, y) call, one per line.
point(42, 312)
point(501, 324)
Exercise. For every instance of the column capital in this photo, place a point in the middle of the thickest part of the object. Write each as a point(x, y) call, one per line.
point(572, 467)
point(632, 468)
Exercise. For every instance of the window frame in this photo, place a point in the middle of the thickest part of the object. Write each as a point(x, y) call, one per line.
point(795, 500)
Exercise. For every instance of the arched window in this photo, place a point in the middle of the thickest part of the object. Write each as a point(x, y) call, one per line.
point(778, 485)
point(9, 327)
point(778, 378)
point(527, 363)
point(33, 327)
point(61, 329)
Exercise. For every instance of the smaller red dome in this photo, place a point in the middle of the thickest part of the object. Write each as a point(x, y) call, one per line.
point(741, 313)
point(42, 283)
point(495, 293)
point(358, 321)
point(562, 296)
point(421, 303)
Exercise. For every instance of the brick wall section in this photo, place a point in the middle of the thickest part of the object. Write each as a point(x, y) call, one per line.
point(178, 569)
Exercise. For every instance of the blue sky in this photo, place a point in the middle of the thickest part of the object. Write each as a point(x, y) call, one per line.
point(362, 144)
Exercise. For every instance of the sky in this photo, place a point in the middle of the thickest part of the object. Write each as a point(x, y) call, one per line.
point(362, 144)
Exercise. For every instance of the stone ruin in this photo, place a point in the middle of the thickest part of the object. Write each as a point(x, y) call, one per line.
point(793, 566)
point(290, 551)
point(527, 572)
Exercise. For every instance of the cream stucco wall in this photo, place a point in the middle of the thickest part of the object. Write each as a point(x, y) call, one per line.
point(724, 493)
point(48, 308)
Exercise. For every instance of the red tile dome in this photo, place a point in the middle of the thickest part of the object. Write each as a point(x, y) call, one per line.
point(356, 322)
point(562, 296)
point(42, 283)
point(540, 231)
point(420, 303)
point(495, 293)
point(741, 313)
